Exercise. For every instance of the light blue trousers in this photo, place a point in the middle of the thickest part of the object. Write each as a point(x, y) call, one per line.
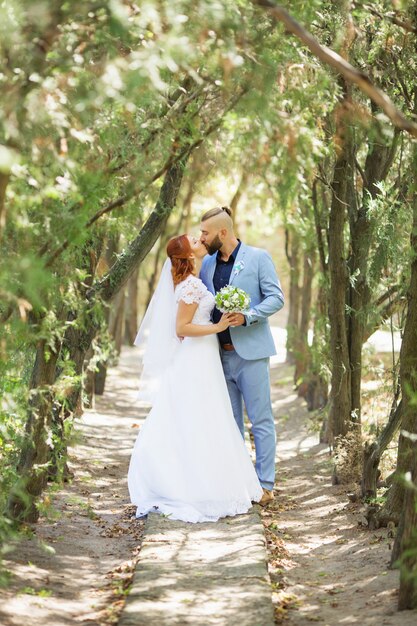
point(248, 382)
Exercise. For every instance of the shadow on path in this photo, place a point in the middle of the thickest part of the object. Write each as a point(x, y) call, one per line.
point(332, 571)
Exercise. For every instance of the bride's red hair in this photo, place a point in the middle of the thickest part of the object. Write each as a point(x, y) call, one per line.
point(179, 251)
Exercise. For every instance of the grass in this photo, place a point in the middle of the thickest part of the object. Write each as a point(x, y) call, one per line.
point(286, 380)
point(5, 577)
point(85, 507)
point(41, 593)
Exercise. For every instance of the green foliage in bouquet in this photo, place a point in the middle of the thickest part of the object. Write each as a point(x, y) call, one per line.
point(232, 300)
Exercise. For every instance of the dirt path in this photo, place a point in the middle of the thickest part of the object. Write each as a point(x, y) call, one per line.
point(208, 574)
point(76, 566)
point(324, 565)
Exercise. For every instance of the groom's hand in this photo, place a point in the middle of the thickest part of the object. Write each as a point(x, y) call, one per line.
point(237, 319)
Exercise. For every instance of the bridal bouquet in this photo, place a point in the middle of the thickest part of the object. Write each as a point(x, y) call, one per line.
point(232, 300)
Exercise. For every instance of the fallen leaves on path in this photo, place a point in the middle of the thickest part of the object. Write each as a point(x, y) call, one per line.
point(325, 563)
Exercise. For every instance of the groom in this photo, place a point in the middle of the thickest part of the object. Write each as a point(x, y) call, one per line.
point(246, 346)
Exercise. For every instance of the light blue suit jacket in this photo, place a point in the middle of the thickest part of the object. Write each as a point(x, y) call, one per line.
point(254, 272)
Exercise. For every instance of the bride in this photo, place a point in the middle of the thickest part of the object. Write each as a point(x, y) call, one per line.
point(189, 460)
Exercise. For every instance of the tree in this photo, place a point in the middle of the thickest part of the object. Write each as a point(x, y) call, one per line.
point(406, 540)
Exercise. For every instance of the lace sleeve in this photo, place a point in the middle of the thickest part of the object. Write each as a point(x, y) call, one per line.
point(190, 291)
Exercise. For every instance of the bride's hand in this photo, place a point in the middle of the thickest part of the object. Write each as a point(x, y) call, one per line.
point(224, 322)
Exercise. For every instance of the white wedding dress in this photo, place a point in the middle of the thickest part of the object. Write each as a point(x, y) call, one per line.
point(189, 460)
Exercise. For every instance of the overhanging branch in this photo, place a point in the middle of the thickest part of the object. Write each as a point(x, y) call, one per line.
point(173, 159)
point(348, 71)
point(391, 16)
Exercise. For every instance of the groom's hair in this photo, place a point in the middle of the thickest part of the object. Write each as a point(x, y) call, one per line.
point(216, 211)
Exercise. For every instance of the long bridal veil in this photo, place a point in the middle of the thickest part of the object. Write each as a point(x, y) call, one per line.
point(157, 337)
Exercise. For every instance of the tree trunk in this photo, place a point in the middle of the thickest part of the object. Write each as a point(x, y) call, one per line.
point(407, 598)
point(340, 396)
point(131, 309)
point(373, 452)
point(379, 159)
point(33, 462)
point(314, 386)
point(134, 254)
point(117, 320)
point(301, 347)
point(391, 509)
point(100, 378)
point(159, 253)
point(89, 380)
point(321, 385)
point(106, 261)
point(292, 250)
point(407, 539)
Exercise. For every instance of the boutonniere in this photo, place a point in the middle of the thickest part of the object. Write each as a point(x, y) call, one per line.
point(238, 267)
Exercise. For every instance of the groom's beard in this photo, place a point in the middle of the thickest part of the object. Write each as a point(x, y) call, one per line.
point(214, 246)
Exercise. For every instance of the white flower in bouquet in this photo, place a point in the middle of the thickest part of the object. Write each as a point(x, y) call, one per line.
point(232, 299)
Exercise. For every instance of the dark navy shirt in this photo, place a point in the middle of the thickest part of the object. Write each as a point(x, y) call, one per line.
point(221, 278)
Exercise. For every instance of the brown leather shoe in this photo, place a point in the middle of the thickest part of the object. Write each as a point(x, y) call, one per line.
point(267, 497)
